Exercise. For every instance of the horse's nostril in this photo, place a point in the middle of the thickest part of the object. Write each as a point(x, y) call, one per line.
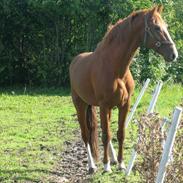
point(173, 56)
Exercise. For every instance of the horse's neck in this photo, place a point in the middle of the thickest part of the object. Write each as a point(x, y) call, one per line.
point(120, 54)
point(125, 54)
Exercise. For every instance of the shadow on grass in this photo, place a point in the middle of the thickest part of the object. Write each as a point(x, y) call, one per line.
point(16, 91)
point(19, 175)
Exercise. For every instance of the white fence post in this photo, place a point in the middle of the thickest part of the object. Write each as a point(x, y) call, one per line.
point(132, 160)
point(130, 116)
point(169, 145)
point(168, 122)
point(155, 98)
point(149, 110)
point(164, 121)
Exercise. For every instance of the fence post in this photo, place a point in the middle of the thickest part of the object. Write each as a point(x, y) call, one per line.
point(132, 160)
point(149, 110)
point(130, 116)
point(169, 144)
point(155, 97)
point(164, 122)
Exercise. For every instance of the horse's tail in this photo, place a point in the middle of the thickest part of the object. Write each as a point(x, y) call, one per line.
point(92, 129)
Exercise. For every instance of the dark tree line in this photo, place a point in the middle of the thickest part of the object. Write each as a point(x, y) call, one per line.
point(38, 38)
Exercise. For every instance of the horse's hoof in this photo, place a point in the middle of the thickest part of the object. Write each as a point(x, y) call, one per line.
point(107, 167)
point(121, 166)
point(92, 170)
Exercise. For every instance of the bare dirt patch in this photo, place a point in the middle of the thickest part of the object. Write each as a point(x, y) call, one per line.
point(72, 167)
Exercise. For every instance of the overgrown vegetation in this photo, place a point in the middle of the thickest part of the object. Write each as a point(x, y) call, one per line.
point(38, 38)
point(150, 149)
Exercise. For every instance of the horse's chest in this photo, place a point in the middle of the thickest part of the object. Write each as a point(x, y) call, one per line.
point(117, 95)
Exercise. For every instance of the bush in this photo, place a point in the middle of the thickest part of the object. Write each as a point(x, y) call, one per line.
point(39, 38)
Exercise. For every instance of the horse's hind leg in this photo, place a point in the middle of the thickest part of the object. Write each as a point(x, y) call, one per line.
point(81, 108)
point(106, 135)
point(112, 154)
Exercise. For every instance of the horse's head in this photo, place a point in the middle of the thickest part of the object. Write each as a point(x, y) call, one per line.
point(156, 35)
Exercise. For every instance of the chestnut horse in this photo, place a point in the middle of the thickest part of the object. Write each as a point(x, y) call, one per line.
point(102, 78)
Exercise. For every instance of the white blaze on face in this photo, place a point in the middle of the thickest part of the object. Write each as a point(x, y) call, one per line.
point(170, 40)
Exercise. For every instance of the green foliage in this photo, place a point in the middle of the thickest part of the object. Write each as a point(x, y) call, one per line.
point(39, 38)
point(149, 65)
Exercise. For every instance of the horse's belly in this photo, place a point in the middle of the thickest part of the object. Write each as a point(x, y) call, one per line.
point(88, 97)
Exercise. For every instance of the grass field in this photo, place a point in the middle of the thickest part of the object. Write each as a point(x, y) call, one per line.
point(33, 128)
point(34, 125)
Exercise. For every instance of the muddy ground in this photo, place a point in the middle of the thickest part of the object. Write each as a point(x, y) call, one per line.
point(72, 167)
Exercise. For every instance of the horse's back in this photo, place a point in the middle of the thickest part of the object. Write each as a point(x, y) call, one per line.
point(79, 64)
point(79, 59)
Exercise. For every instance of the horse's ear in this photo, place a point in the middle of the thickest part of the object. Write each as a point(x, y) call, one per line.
point(153, 10)
point(159, 8)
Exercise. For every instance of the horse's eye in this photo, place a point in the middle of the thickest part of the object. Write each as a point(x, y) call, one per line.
point(157, 28)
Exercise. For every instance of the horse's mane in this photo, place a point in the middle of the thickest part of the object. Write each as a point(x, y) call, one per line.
point(113, 31)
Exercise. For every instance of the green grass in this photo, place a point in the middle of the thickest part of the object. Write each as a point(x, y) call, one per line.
point(33, 128)
point(34, 125)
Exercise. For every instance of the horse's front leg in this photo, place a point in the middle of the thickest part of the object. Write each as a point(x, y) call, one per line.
point(106, 135)
point(123, 110)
